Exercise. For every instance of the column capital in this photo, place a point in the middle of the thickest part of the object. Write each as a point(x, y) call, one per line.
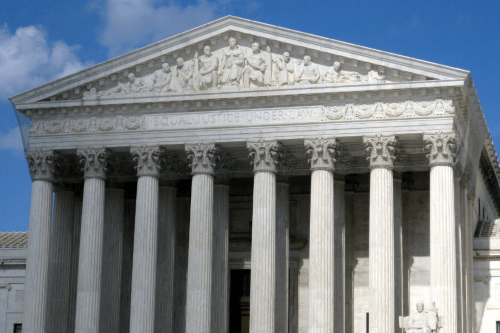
point(41, 164)
point(201, 157)
point(442, 148)
point(380, 150)
point(322, 153)
point(147, 159)
point(264, 154)
point(94, 162)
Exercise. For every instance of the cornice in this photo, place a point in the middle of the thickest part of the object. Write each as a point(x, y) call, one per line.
point(290, 95)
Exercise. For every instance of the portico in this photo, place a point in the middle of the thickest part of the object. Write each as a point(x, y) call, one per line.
point(300, 172)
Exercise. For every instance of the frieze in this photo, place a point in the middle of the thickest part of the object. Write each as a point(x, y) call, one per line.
point(381, 110)
point(297, 115)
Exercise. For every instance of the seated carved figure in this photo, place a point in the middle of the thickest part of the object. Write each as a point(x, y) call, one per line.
point(254, 70)
point(421, 321)
point(183, 78)
point(307, 72)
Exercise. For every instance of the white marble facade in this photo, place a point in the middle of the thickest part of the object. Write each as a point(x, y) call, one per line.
point(186, 161)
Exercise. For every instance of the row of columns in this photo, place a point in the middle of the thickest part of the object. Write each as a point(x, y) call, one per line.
point(207, 276)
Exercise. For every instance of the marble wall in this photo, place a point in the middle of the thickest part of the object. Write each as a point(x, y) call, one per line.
point(12, 277)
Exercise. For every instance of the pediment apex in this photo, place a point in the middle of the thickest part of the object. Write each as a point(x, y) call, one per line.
point(357, 63)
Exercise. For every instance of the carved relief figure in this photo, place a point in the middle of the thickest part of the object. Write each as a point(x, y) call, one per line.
point(134, 85)
point(335, 75)
point(161, 79)
point(182, 80)
point(206, 70)
point(307, 72)
point(286, 68)
point(231, 64)
point(374, 76)
point(255, 67)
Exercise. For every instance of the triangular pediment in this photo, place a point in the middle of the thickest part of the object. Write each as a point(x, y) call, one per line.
point(286, 61)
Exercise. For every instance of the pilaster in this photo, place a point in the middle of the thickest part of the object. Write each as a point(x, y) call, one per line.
point(380, 151)
point(282, 253)
point(111, 278)
point(75, 250)
point(60, 261)
point(41, 165)
point(339, 248)
point(165, 259)
point(263, 253)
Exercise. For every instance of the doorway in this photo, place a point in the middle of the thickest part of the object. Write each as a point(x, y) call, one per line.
point(239, 301)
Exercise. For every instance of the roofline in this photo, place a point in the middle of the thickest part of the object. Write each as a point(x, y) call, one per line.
point(180, 40)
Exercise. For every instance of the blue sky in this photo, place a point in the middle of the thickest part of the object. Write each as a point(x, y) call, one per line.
point(41, 40)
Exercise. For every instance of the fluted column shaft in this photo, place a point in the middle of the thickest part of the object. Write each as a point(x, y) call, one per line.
point(282, 253)
point(339, 261)
point(60, 262)
point(199, 283)
point(443, 245)
point(75, 250)
point(38, 256)
point(322, 253)
point(165, 259)
point(142, 312)
point(381, 254)
point(263, 256)
point(220, 259)
point(90, 261)
point(112, 260)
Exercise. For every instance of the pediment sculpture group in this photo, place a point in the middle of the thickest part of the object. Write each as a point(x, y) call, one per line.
point(240, 69)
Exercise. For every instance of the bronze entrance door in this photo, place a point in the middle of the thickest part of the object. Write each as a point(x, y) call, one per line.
point(239, 301)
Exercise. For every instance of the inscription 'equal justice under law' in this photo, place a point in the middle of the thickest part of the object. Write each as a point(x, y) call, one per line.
point(234, 117)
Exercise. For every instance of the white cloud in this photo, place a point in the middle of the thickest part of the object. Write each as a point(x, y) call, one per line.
point(28, 59)
point(133, 23)
point(11, 140)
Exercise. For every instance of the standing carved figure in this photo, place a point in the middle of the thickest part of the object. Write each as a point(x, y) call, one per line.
point(307, 72)
point(207, 75)
point(182, 80)
point(255, 68)
point(286, 68)
point(231, 64)
point(161, 79)
point(335, 75)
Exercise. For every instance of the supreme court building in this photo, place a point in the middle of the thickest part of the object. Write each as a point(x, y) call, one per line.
point(242, 177)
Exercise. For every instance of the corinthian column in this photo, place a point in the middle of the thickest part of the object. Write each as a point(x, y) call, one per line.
point(199, 281)
point(142, 313)
point(42, 173)
point(321, 236)
point(263, 256)
point(381, 242)
point(60, 261)
point(94, 161)
point(442, 227)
